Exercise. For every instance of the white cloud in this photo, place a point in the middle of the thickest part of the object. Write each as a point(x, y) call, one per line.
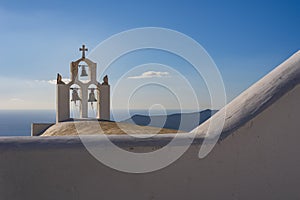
point(26, 94)
point(40, 81)
point(16, 100)
point(150, 74)
point(53, 82)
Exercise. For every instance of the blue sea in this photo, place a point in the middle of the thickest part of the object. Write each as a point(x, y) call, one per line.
point(18, 122)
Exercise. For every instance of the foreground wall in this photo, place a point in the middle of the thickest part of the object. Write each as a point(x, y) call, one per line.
point(257, 156)
point(258, 161)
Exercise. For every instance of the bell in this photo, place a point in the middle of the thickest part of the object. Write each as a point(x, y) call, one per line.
point(83, 71)
point(92, 96)
point(75, 96)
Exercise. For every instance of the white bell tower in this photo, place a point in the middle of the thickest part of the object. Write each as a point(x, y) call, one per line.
point(82, 91)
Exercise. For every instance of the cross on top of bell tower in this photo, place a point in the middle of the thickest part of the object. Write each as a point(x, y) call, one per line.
point(83, 49)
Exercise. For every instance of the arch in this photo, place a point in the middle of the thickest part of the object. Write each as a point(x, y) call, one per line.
point(75, 103)
point(92, 101)
point(84, 72)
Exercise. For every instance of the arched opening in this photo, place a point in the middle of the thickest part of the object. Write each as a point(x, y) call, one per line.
point(92, 101)
point(83, 72)
point(75, 101)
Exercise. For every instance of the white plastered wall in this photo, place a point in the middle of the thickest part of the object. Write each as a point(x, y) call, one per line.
point(258, 161)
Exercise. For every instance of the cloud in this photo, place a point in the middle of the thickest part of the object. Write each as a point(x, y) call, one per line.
point(66, 80)
point(16, 100)
point(150, 74)
point(53, 82)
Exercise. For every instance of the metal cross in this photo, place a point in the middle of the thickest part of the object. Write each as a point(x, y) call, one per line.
point(83, 49)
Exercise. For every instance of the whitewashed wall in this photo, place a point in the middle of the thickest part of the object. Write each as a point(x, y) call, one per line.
point(259, 159)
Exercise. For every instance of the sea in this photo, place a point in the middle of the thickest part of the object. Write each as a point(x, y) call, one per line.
point(18, 122)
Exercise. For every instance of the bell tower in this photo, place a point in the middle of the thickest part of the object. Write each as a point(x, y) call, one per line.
point(83, 91)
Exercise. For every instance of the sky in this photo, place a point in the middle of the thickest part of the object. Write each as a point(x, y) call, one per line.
point(245, 39)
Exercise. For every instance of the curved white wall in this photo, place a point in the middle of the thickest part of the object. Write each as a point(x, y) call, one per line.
point(259, 158)
point(258, 161)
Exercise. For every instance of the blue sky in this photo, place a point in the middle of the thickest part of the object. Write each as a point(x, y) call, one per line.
point(246, 39)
